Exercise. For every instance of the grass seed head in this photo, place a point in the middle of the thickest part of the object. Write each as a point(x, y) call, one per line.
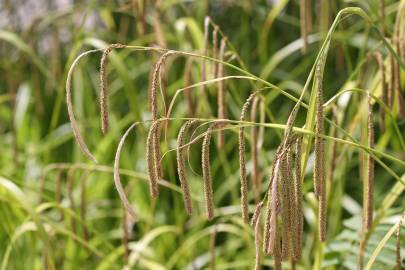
point(181, 166)
point(151, 159)
point(104, 85)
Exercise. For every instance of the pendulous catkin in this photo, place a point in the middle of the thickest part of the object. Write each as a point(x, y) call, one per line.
point(242, 161)
point(117, 180)
point(287, 201)
point(270, 227)
point(181, 166)
point(256, 226)
point(155, 83)
point(254, 147)
point(369, 182)
point(71, 114)
point(298, 218)
point(104, 85)
point(319, 163)
point(222, 113)
point(151, 157)
point(206, 169)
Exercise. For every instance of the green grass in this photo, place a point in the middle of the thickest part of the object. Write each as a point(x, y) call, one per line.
point(46, 225)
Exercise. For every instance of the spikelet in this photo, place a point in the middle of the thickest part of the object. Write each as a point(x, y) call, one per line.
point(181, 166)
point(270, 227)
point(398, 244)
point(369, 182)
point(70, 178)
point(242, 161)
point(206, 168)
point(151, 159)
point(254, 146)
point(155, 82)
point(277, 255)
point(256, 226)
point(222, 113)
point(287, 202)
point(71, 114)
point(319, 164)
point(298, 221)
point(303, 24)
point(104, 86)
point(117, 180)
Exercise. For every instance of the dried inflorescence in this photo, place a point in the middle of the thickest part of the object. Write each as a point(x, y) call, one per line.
point(117, 180)
point(222, 113)
point(153, 159)
point(298, 216)
point(242, 161)
point(206, 169)
point(368, 183)
point(254, 146)
point(181, 166)
point(104, 85)
point(256, 226)
point(319, 163)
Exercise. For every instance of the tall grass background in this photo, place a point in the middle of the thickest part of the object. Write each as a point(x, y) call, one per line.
point(327, 75)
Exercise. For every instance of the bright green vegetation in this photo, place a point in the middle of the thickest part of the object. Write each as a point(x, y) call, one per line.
point(61, 210)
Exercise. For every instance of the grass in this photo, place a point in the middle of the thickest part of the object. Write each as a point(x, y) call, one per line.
point(305, 100)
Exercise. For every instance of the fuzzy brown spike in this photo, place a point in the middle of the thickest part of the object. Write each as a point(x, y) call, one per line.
point(222, 113)
point(242, 161)
point(256, 226)
point(270, 227)
point(369, 182)
point(254, 146)
point(117, 181)
point(319, 164)
point(287, 203)
point(155, 83)
point(298, 222)
point(151, 155)
point(181, 166)
point(277, 253)
point(104, 85)
point(206, 168)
